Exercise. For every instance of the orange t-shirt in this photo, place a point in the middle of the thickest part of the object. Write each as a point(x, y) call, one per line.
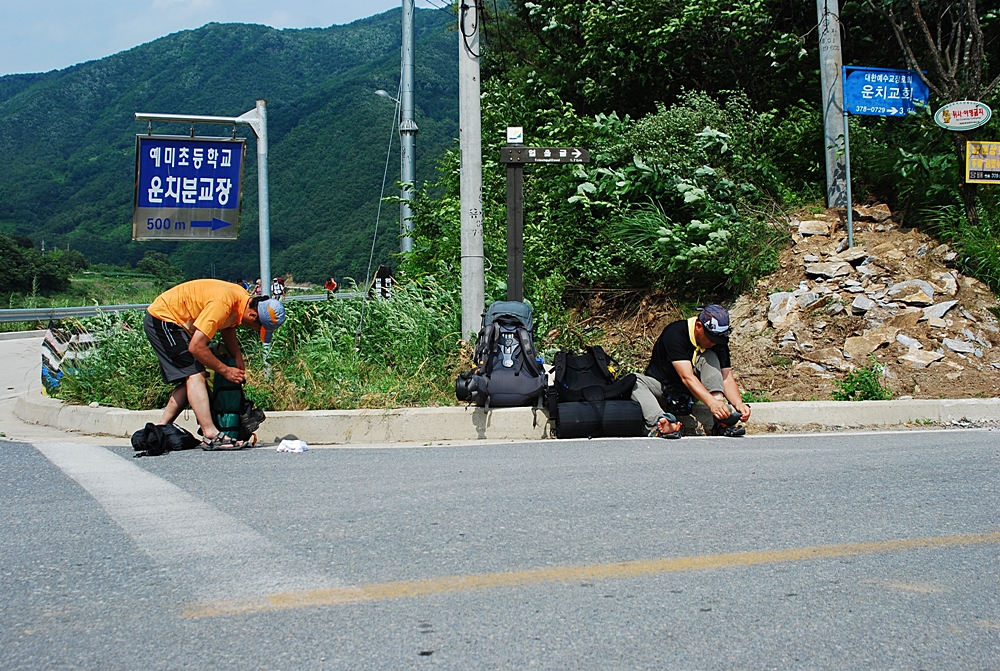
point(206, 305)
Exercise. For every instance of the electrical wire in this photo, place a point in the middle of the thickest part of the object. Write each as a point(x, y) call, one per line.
point(442, 7)
point(464, 9)
point(378, 215)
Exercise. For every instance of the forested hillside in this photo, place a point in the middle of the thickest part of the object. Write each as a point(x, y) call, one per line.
point(67, 140)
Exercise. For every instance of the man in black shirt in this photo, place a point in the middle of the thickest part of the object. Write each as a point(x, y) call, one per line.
point(690, 362)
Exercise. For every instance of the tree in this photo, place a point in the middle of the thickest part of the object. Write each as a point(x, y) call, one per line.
point(953, 47)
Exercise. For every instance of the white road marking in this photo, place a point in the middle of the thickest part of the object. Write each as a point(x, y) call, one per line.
point(218, 554)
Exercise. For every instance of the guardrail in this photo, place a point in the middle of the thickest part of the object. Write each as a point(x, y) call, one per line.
point(45, 314)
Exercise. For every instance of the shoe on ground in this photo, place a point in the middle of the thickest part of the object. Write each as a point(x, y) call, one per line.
point(728, 431)
point(671, 423)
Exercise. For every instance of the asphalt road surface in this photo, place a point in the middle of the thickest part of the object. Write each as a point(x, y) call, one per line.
point(850, 551)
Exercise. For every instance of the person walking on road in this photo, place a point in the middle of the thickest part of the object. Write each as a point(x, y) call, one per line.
point(181, 323)
point(278, 288)
point(690, 362)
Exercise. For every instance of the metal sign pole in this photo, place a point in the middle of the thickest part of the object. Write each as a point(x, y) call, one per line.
point(847, 169)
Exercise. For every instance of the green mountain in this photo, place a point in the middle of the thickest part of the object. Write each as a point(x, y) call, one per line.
point(67, 140)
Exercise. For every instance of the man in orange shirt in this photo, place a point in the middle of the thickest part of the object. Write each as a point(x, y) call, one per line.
point(180, 324)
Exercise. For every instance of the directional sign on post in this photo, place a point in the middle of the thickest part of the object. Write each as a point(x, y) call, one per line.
point(882, 91)
point(544, 155)
point(187, 188)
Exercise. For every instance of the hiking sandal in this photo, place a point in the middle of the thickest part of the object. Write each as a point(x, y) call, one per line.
point(728, 431)
point(221, 442)
point(656, 433)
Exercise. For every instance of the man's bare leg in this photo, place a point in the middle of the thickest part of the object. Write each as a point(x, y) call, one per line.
point(175, 406)
point(197, 396)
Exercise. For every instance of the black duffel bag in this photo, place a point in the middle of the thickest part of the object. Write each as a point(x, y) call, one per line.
point(157, 439)
point(588, 400)
point(595, 419)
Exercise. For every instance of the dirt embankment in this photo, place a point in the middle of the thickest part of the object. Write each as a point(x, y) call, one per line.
point(895, 296)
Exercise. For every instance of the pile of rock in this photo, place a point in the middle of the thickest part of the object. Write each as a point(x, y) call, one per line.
point(891, 289)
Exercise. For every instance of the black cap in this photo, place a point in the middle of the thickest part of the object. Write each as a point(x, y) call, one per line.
point(715, 319)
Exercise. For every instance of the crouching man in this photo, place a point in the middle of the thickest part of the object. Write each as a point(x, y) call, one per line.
point(181, 323)
point(690, 362)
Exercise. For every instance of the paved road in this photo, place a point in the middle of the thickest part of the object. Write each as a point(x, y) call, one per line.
point(878, 551)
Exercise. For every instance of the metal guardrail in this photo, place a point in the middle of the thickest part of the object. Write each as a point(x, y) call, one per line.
point(45, 314)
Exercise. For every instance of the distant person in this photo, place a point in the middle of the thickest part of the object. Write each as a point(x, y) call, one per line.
point(181, 323)
point(256, 289)
point(278, 288)
point(690, 362)
point(382, 283)
point(330, 286)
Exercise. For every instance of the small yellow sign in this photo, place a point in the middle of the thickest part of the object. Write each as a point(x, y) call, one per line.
point(982, 162)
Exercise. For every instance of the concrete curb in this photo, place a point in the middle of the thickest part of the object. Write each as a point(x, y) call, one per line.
point(326, 427)
point(427, 425)
point(18, 335)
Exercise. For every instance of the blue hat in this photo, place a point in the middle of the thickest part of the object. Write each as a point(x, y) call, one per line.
point(271, 314)
point(715, 319)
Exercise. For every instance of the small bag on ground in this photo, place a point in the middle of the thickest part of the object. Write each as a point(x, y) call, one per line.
point(588, 400)
point(506, 372)
point(155, 440)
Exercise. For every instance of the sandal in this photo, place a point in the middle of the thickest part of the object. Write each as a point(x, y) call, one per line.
point(728, 431)
point(674, 435)
point(221, 442)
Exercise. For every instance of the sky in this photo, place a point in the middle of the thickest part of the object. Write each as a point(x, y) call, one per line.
point(43, 35)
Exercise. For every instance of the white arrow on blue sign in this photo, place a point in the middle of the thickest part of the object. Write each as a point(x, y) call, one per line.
point(882, 91)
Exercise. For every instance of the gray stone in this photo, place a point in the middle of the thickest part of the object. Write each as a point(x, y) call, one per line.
point(813, 227)
point(996, 364)
point(922, 251)
point(855, 290)
point(914, 292)
point(829, 270)
point(783, 306)
point(978, 352)
point(907, 341)
point(939, 310)
point(958, 345)
point(807, 299)
point(968, 315)
point(842, 245)
point(810, 258)
point(949, 257)
point(946, 283)
point(920, 358)
point(853, 255)
point(862, 304)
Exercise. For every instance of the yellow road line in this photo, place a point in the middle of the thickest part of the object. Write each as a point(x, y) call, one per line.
point(336, 596)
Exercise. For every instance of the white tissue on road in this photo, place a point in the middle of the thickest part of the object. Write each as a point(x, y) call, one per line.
point(293, 446)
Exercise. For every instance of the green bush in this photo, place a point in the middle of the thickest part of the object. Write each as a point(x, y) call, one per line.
point(404, 355)
point(863, 384)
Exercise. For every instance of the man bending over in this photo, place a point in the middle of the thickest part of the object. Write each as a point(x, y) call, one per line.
point(690, 362)
point(181, 323)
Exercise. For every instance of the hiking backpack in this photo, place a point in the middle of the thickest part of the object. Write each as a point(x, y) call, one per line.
point(506, 373)
point(587, 400)
point(156, 440)
point(232, 412)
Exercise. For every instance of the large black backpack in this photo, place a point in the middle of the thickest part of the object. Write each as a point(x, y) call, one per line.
point(587, 399)
point(506, 372)
point(155, 440)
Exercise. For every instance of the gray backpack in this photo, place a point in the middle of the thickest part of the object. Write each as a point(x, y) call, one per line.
point(506, 372)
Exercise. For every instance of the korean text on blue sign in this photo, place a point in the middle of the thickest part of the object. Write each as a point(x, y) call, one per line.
point(883, 92)
point(187, 188)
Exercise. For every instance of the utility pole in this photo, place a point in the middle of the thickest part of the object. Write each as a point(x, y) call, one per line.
point(471, 148)
point(407, 132)
point(831, 59)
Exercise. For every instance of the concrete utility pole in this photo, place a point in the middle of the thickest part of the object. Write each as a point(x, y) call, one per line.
point(471, 147)
point(407, 131)
point(831, 59)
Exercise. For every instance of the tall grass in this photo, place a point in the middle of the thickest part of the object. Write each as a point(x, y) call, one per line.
point(404, 355)
point(978, 247)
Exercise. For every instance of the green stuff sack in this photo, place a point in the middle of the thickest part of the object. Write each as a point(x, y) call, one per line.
point(226, 399)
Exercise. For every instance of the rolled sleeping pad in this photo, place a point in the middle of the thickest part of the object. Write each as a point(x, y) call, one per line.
point(600, 419)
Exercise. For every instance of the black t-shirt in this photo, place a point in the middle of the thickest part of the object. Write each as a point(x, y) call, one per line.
point(674, 344)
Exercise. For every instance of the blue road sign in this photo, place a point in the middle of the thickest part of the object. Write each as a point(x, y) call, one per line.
point(187, 188)
point(882, 91)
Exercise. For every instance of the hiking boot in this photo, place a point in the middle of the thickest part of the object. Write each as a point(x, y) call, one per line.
point(728, 431)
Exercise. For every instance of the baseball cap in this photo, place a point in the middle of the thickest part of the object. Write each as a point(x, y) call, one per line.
point(715, 319)
point(271, 314)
